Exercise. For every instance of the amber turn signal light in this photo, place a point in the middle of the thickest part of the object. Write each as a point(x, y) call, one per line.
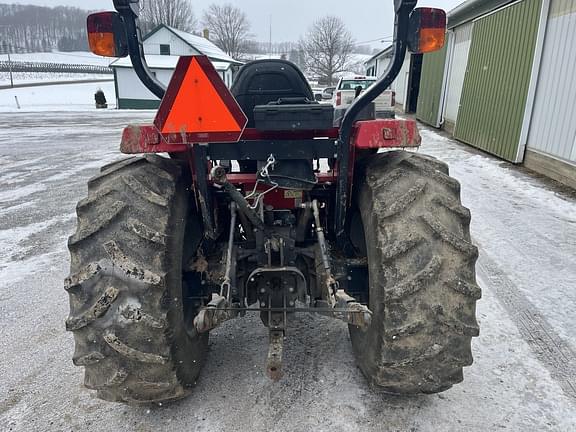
point(106, 35)
point(427, 31)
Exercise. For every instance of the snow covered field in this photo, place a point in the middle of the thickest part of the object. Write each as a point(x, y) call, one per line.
point(48, 77)
point(79, 58)
point(76, 57)
point(523, 378)
point(65, 97)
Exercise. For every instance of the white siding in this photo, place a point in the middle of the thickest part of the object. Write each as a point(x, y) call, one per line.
point(401, 83)
point(371, 65)
point(130, 87)
point(164, 36)
point(457, 63)
point(553, 126)
point(382, 65)
point(228, 77)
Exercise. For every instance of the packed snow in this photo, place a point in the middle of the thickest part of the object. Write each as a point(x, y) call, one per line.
point(62, 97)
point(521, 379)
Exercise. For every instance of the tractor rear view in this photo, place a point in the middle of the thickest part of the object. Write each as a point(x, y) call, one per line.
point(267, 206)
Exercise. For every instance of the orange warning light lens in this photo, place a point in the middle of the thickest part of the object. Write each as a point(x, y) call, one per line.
point(432, 39)
point(102, 44)
point(106, 34)
point(427, 30)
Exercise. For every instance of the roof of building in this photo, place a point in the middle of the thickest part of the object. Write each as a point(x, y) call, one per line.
point(461, 14)
point(156, 61)
point(197, 42)
point(473, 9)
point(386, 51)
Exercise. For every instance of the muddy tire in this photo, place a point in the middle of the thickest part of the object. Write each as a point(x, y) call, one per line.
point(423, 289)
point(131, 329)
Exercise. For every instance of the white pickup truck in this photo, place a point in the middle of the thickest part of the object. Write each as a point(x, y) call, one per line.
point(346, 91)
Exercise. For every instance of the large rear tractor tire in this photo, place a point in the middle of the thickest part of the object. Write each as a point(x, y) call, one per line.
point(132, 325)
point(415, 233)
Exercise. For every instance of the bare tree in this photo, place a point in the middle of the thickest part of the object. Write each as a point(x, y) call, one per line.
point(327, 48)
point(25, 28)
point(229, 28)
point(173, 13)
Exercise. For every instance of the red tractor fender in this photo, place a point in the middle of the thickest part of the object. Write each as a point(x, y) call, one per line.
point(386, 133)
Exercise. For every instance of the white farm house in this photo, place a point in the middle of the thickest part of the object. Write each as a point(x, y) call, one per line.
point(163, 47)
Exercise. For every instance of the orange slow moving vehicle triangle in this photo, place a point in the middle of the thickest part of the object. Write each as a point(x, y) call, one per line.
point(198, 107)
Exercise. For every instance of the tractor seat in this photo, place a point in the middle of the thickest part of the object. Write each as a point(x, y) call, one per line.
point(263, 81)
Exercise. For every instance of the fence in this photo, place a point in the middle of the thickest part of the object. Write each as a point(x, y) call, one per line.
point(18, 66)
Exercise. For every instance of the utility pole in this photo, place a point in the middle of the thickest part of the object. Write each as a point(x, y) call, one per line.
point(270, 46)
point(9, 60)
point(10, 69)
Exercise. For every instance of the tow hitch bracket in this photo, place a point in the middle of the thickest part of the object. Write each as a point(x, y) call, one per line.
point(355, 313)
point(214, 314)
point(274, 361)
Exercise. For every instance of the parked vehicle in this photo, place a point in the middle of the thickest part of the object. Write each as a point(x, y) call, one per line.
point(168, 248)
point(328, 93)
point(318, 93)
point(348, 89)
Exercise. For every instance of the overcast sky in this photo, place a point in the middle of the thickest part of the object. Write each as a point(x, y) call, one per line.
point(367, 20)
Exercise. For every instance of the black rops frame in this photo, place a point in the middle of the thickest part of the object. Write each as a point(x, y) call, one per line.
point(128, 10)
point(402, 9)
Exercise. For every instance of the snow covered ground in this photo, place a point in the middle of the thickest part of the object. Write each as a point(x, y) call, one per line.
point(513, 218)
point(65, 97)
point(523, 378)
point(80, 58)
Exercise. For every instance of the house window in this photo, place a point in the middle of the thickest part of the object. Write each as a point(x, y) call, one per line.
point(164, 49)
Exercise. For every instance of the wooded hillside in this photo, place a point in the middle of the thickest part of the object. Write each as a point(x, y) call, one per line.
point(25, 28)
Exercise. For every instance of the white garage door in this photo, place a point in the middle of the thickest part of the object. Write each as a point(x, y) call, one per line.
point(553, 127)
point(458, 62)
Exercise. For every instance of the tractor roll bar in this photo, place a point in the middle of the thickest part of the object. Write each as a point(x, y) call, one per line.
point(127, 10)
point(402, 9)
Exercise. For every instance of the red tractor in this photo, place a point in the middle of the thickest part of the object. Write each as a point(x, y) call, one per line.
point(266, 205)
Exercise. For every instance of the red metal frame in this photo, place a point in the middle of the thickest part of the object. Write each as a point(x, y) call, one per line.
point(138, 139)
point(369, 134)
point(385, 133)
point(278, 198)
point(249, 180)
point(255, 135)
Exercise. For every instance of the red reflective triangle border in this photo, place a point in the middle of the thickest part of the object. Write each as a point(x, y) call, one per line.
point(171, 96)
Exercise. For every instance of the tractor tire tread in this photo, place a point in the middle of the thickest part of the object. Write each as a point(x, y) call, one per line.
point(103, 220)
point(401, 203)
point(423, 290)
point(125, 312)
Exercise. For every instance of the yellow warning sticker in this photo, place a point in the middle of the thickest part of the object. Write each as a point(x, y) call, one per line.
point(293, 194)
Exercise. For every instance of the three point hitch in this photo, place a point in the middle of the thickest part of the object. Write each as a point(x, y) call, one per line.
point(280, 285)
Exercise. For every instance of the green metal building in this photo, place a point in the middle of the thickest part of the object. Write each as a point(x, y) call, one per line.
point(490, 83)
